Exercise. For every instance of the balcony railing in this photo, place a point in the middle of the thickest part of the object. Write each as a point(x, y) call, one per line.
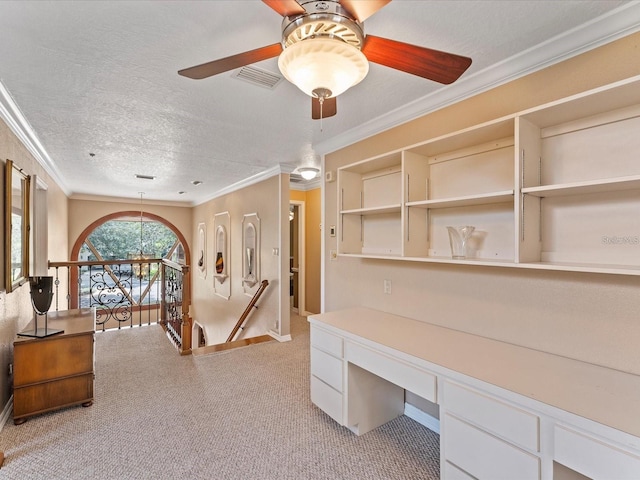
point(128, 293)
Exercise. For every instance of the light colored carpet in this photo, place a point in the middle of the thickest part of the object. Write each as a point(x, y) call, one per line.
point(240, 414)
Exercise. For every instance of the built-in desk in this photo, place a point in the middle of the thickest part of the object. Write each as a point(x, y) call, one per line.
point(505, 411)
point(56, 371)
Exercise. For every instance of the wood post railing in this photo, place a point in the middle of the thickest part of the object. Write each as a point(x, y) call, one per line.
point(247, 311)
point(129, 293)
point(125, 293)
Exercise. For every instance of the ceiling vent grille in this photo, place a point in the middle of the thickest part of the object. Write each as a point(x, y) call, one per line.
point(295, 178)
point(257, 76)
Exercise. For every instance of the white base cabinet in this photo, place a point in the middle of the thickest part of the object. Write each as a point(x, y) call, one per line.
point(495, 423)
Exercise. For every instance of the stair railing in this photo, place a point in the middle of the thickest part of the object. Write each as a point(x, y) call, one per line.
point(252, 304)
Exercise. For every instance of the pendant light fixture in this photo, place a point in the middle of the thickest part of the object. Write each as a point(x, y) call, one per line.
point(140, 270)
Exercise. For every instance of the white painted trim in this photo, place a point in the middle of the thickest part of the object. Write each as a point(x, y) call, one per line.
point(6, 413)
point(259, 177)
point(17, 122)
point(616, 24)
point(423, 418)
point(302, 253)
point(280, 338)
point(306, 186)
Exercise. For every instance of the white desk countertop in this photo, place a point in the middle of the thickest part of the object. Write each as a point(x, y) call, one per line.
point(601, 394)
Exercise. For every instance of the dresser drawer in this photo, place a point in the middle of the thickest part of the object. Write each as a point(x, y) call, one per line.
point(507, 421)
point(327, 399)
point(592, 457)
point(53, 358)
point(411, 378)
point(42, 397)
point(484, 456)
point(326, 368)
point(326, 341)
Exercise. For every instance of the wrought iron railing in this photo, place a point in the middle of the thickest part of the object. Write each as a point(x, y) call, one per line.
point(128, 293)
point(176, 295)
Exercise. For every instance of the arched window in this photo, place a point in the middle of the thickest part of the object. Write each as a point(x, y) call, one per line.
point(121, 291)
point(126, 237)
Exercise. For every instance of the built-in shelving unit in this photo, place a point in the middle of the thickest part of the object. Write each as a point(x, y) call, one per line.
point(555, 187)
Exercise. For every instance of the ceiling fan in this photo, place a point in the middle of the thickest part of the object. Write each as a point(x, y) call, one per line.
point(324, 51)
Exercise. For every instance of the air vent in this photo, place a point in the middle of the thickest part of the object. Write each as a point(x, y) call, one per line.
point(259, 77)
point(145, 177)
point(295, 178)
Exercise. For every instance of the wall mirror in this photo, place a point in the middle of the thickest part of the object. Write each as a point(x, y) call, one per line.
point(16, 226)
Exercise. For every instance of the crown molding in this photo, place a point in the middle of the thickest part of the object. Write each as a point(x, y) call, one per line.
point(306, 186)
point(247, 182)
point(16, 121)
point(614, 25)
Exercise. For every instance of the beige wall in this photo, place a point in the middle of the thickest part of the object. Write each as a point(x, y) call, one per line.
point(313, 237)
point(15, 307)
point(83, 213)
point(217, 315)
point(591, 317)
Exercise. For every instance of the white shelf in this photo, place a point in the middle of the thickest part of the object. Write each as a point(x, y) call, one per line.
point(373, 210)
point(582, 188)
point(563, 267)
point(465, 201)
point(578, 147)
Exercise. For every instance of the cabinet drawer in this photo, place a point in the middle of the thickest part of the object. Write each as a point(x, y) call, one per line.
point(592, 457)
point(326, 341)
point(451, 472)
point(416, 380)
point(52, 358)
point(326, 368)
point(46, 396)
point(485, 456)
point(328, 399)
point(516, 425)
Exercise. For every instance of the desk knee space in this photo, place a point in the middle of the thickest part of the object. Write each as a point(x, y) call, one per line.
point(371, 400)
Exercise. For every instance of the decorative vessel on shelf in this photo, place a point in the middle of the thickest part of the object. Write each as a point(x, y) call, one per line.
point(458, 237)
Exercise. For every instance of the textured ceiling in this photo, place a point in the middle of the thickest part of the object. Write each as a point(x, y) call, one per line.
point(100, 77)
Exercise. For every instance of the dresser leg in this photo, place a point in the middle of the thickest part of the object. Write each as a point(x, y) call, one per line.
point(19, 421)
point(87, 404)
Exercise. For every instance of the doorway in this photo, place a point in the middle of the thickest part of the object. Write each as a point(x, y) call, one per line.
point(297, 256)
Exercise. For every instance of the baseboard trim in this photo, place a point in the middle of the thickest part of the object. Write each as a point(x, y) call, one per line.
point(423, 418)
point(280, 338)
point(6, 413)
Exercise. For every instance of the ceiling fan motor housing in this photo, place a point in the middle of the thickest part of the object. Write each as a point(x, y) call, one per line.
point(324, 18)
point(322, 50)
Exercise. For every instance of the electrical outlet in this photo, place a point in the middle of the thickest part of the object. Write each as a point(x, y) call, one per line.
point(387, 287)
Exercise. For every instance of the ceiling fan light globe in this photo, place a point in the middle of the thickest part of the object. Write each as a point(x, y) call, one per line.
point(323, 63)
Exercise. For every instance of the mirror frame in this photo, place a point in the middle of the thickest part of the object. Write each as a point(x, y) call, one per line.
point(16, 180)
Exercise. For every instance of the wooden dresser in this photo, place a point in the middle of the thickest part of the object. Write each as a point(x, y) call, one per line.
point(57, 371)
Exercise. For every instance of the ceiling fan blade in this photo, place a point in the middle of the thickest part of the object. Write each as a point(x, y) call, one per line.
point(231, 63)
point(329, 108)
point(286, 8)
point(431, 64)
point(362, 10)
